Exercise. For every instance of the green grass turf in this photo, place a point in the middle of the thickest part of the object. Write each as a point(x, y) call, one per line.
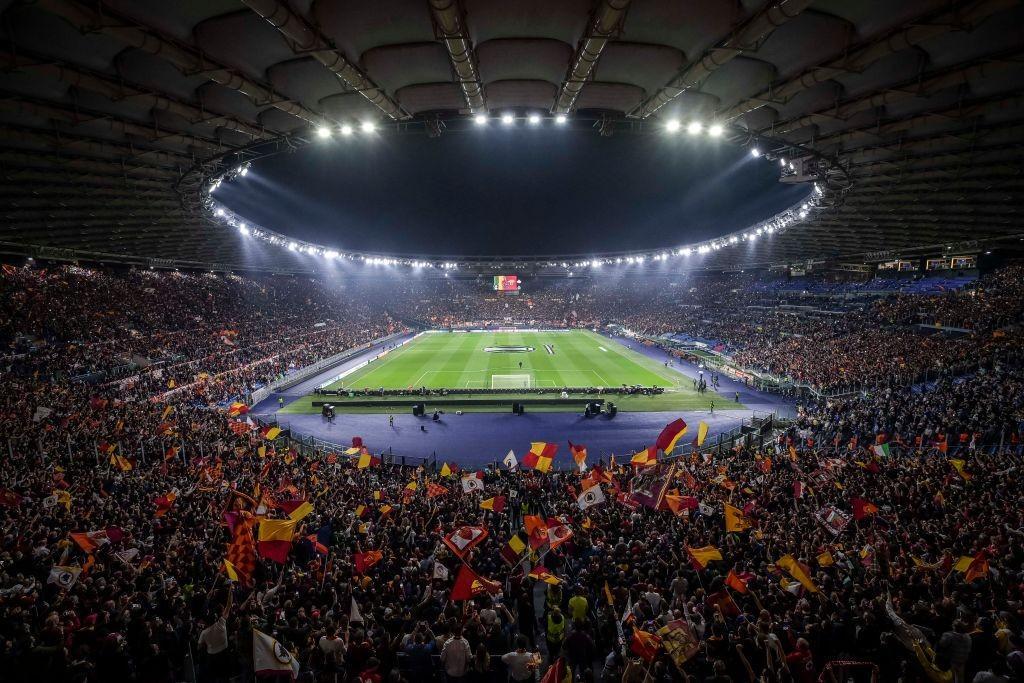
point(458, 360)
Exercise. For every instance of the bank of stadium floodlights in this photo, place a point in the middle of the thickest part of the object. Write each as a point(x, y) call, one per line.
point(797, 164)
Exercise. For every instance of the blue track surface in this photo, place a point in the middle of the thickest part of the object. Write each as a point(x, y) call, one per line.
point(475, 439)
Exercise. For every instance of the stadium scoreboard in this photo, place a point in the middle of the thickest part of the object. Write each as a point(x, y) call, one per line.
point(506, 283)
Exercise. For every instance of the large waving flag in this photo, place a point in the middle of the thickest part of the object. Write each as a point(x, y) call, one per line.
point(464, 539)
point(510, 460)
point(862, 508)
point(735, 520)
point(645, 458)
point(579, 455)
point(270, 658)
point(702, 433)
point(670, 435)
point(540, 456)
point(473, 482)
point(645, 645)
point(275, 539)
point(591, 497)
point(242, 549)
point(468, 584)
point(365, 561)
point(497, 504)
point(515, 548)
point(699, 557)
point(798, 571)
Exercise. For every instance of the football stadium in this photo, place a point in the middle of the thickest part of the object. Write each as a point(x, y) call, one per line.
point(474, 341)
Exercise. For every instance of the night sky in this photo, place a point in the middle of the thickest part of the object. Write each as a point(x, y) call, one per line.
point(499, 191)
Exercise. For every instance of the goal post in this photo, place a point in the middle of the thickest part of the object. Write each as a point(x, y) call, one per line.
point(510, 382)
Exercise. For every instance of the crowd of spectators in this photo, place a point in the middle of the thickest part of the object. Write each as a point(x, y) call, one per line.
point(924, 583)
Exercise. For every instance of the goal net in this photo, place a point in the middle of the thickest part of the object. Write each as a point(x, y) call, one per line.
point(510, 381)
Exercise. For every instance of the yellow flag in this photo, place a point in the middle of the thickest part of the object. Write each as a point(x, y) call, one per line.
point(300, 512)
point(826, 559)
point(963, 564)
point(735, 520)
point(702, 432)
point(276, 530)
point(788, 564)
point(445, 470)
point(701, 556)
point(230, 570)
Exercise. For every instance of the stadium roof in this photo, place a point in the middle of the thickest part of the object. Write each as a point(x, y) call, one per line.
point(118, 113)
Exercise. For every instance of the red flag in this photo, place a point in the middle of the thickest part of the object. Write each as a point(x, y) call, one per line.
point(862, 508)
point(469, 583)
point(464, 539)
point(645, 645)
point(672, 432)
point(735, 582)
point(242, 549)
point(366, 561)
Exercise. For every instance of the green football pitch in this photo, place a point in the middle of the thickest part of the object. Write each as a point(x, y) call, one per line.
point(516, 360)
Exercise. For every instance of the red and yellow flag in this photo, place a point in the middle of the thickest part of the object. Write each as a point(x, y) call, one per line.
point(540, 456)
point(670, 435)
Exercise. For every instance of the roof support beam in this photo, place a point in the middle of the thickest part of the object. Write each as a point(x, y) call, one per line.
point(894, 94)
point(605, 24)
point(59, 142)
point(187, 60)
point(308, 40)
point(745, 39)
point(116, 91)
point(860, 58)
point(450, 27)
point(114, 125)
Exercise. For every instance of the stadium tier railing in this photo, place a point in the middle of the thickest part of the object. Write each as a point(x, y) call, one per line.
point(302, 374)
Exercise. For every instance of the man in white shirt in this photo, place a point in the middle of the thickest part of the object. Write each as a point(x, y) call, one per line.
point(333, 648)
point(213, 640)
point(518, 661)
point(456, 656)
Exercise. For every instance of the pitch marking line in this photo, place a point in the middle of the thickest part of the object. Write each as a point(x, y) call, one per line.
point(603, 349)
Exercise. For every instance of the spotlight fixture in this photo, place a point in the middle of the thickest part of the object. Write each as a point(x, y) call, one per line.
point(219, 213)
point(672, 125)
point(292, 246)
point(561, 119)
point(755, 152)
point(534, 119)
point(716, 130)
point(346, 130)
point(243, 229)
point(323, 132)
point(480, 119)
point(507, 119)
point(694, 128)
point(368, 126)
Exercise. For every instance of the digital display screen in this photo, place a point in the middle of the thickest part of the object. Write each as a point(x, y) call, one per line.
point(506, 283)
